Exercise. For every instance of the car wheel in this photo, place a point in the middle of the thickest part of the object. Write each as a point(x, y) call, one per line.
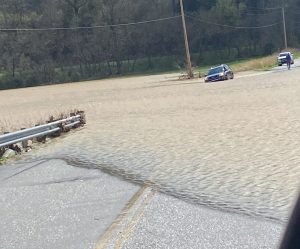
point(232, 76)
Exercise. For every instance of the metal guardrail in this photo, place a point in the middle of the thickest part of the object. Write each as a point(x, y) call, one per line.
point(39, 131)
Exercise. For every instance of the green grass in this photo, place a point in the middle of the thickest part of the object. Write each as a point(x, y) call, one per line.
point(262, 63)
point(143, 66)
point(296, 54)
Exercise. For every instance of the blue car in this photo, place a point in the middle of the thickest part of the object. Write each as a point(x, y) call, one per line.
point(222, 72)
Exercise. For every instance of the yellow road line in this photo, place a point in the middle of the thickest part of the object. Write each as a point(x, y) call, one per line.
point(137, 217)
point(102, 242)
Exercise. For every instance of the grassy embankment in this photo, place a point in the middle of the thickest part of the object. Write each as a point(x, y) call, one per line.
point(257, 64)
point(142, 66)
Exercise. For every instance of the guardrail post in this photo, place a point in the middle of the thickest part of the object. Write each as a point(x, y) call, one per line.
point(25, 142)
point(82, 117)
point(41, 139)
point(2, 151)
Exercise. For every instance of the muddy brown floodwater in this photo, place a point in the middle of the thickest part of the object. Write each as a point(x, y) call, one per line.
point(231, 145)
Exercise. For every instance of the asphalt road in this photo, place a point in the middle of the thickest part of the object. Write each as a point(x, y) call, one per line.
point(50, 204)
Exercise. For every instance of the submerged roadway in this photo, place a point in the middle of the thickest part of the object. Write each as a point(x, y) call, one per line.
point(50, 203)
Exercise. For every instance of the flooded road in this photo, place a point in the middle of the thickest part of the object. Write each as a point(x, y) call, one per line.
point(231, 145)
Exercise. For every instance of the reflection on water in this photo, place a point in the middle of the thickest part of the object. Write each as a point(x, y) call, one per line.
point(229, 145)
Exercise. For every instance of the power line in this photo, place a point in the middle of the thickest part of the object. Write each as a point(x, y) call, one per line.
point(257, 14)
point(260, 11)
point(233, 27)
point(273, 8)
point(89, 27)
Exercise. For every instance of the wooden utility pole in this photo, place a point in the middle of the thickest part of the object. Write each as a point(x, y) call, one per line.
point(186, 41)
point(284, 28)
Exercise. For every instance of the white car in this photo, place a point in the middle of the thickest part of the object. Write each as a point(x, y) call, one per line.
point(282, 58)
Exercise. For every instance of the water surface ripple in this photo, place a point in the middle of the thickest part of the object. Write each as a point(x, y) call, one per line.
point(232, 145)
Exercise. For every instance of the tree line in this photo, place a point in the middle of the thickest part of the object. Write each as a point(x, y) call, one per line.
point(55, 41)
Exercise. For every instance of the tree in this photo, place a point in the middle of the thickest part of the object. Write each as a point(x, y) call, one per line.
point(42, 57)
